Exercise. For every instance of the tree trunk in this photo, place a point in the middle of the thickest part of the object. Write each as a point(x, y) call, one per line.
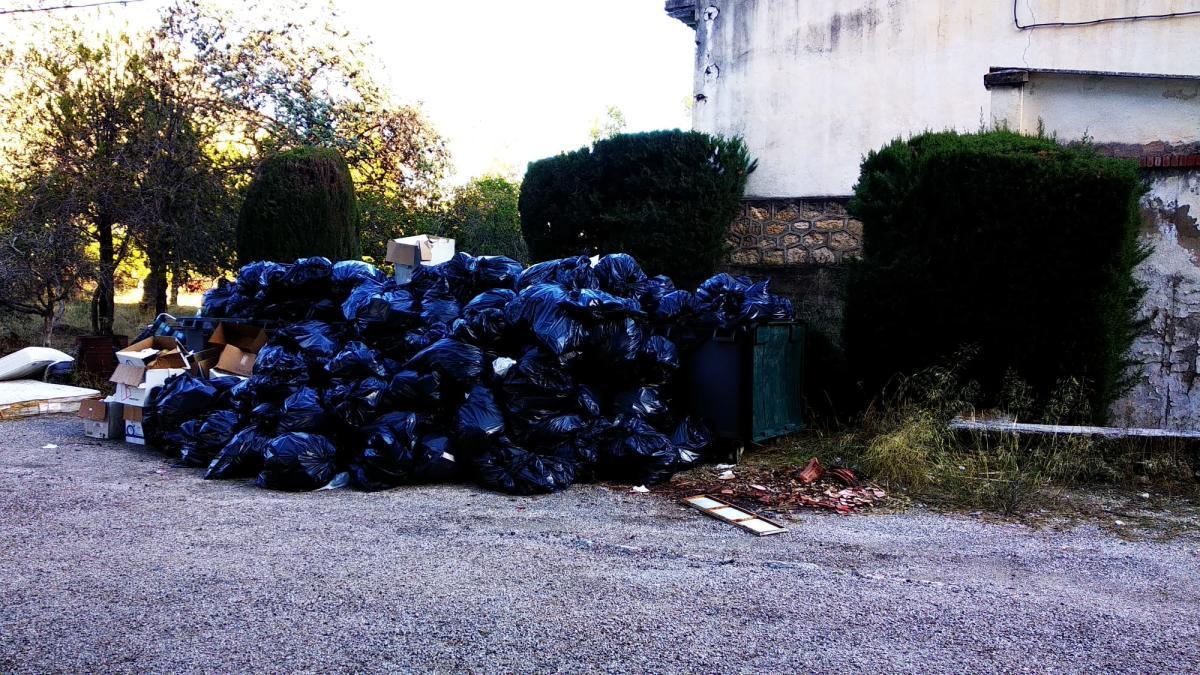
point(104, 302)
point(47, 328)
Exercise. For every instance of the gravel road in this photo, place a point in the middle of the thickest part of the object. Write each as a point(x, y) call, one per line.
point(110, 560)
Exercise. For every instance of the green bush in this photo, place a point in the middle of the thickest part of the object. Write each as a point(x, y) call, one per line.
point(1015, 245)
point(665, 197)
point(300, 203)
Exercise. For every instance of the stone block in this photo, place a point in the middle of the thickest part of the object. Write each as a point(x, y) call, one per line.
point(774, 257)
point(843, 241)
point(830, 225)
point(760, 213)
point(824, 256)
point(789, 240)
point(813, 240)
point(745, 257)
point(787, 213)
point(854, 227)
point(775, 228)
point(796, 256)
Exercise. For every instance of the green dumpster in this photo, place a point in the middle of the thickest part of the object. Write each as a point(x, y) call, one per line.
point(748, 385)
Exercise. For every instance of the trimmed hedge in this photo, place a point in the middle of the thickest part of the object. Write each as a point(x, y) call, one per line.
point(301, 203)
point(666, 197)
point(1015, 245)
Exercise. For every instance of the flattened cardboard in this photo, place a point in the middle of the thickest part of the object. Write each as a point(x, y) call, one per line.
point(128, 375)
point(132, 414)
point(241, 345)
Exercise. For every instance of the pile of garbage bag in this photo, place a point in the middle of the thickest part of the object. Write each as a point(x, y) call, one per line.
point(525, 379)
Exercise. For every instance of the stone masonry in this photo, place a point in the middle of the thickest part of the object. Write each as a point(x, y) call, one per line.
point(778, 232)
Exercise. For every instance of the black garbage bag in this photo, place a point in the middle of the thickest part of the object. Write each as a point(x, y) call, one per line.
point(216, 301)
point(181, 398)
point(298, 461)
point(204, 438)
point(355, 402)
point(483, 318)
point(643, 402)
point(497, 272)
point(266, 415)
point(276, 366)
point(479, 418)
point(439, 304)
point(619, 274)
point(659, 359)
point(617, 341)
point(568, 273)
point(250, 276)
point(387, 458)
point(241, 457)
point(348, 274)
point(383, 304)
point(508, 468)
point(588, 401)
point(541, 309)
point(692, 440)
point(454, 360)
point(62, 372)
point(309, 276)
point(734, 301)
point(410, 390)
point(316, 341)
point(591, 305)
point(356, 360)
point(552, 430)
point(675, 306)
point(435, 460)
point(302, 411)
point(270, 282)
point(634, 451)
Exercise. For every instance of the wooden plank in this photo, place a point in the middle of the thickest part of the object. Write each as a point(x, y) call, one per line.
point(734, 515)
point(997, 426)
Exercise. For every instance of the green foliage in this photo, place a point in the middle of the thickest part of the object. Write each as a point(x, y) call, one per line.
point(301, 203)
point(484, 220)
point(1017, 245)
point(665, 197)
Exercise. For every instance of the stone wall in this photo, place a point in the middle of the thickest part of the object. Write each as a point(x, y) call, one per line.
point(779, 232)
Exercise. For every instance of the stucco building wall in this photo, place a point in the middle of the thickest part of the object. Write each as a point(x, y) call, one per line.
point(813, 85)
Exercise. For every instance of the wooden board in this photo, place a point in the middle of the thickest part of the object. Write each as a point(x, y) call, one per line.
point(734, 515)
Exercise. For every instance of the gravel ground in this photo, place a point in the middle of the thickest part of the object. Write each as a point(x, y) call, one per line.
point(110, 560)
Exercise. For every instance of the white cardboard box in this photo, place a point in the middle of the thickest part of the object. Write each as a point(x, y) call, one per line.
point(406, 253)
point(136, 395)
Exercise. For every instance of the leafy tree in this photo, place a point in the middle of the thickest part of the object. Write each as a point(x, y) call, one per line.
point(300, 204)
point(76, 111)
point(484, 220)
point(42, 254)
point(610, 125)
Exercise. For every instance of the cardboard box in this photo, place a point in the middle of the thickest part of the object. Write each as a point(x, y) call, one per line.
point(406, 253)
point(239, 347)
point(160, 351)
point(134, 384)
point(133, 425)
point(203, 362)
point(102, 418)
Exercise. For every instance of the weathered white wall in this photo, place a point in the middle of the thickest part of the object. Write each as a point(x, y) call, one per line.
point(1122, 110)
point(813, 85)
point(1167, 393)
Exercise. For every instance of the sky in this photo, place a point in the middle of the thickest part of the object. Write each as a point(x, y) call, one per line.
point(506, 82)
